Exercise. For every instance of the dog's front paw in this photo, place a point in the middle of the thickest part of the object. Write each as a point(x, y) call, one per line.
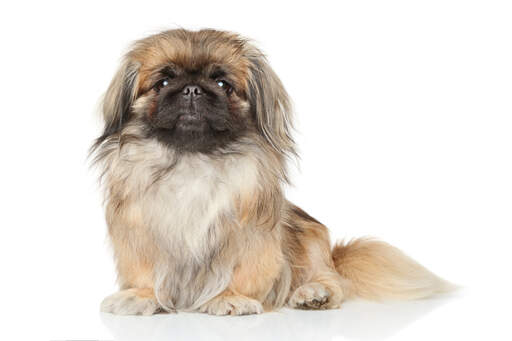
point(131, 302)
point(312, 296)
point(227, 304)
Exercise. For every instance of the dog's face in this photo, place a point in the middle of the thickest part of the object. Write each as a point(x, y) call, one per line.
point(198, 92)
point(195, 108)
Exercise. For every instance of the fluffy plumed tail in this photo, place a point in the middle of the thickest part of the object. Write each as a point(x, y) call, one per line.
point(379, 271)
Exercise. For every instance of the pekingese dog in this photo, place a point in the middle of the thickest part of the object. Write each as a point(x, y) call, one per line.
point(194, 157)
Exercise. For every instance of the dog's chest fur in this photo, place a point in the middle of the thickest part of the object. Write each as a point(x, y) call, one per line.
point(185, 204)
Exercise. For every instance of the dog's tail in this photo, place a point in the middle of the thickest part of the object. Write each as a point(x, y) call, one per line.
point(378, 271)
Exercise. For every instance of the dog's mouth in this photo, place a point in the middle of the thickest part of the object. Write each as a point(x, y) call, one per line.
point(191, 121)
point(188, 125)
point(191, 117)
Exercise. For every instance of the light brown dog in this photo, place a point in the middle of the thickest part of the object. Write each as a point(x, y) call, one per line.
point(194, 152)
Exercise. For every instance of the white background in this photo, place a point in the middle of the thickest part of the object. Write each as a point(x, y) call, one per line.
point(404, 113)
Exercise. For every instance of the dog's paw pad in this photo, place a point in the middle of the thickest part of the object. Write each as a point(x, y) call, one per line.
point(310, 296)
point(232, 305)
point(130, 302)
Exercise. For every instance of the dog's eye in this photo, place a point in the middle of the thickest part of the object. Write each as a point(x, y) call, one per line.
point(225, 85)
point(161, 84)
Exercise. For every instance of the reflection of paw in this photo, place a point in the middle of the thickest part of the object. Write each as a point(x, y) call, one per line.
point(131, 302)
point(311, 296)
point(232, 305)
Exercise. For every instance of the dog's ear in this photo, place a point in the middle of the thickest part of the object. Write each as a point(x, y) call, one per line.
point(270, 104)
point(118, 99)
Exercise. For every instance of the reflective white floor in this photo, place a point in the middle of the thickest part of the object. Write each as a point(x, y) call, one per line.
point(356, 321)
point(471, 314)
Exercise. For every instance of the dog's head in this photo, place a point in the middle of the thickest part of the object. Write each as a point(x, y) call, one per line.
point(198, 92)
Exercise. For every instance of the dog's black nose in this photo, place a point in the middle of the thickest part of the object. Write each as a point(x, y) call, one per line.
point(192, 91)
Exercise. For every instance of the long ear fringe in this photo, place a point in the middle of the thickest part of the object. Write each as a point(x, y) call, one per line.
point(118, 99)
point(271, 105)
point(269, 100)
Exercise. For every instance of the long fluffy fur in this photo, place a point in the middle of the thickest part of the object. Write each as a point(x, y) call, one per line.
point(212, 232)
point(379, 271)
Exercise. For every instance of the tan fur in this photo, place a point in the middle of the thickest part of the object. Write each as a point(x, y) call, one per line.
point(213, 232)
point(132, 301)
point(232, 303)
point(377, 271)
point(131, 245)
point(256, 271)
